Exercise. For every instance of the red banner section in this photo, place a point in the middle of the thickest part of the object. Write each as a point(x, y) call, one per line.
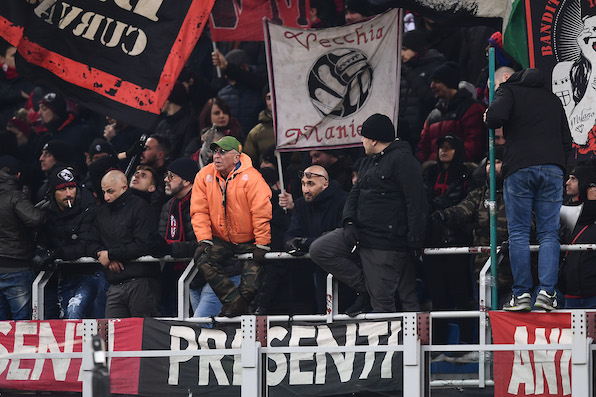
point(117, 58)
point(532, 373)
point(243, 19)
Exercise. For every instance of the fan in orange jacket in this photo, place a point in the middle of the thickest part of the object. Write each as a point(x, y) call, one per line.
point(230, 211)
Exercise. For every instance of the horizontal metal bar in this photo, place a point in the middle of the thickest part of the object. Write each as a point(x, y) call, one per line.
point(460, 382)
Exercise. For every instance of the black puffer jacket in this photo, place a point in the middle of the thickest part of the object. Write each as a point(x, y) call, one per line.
point(534, 124)
point(323, 214)
point(18, 219)
point(388, 202)
point(70, 232)
point(123, 229)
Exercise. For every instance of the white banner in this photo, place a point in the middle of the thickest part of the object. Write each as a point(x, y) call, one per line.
point(325, 83)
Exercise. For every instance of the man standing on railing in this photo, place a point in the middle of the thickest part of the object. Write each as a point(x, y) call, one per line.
point(18, 218)
point(384, 221)
point(231, 210)
point(537, 145)
point(122, 233)
point(67, 235)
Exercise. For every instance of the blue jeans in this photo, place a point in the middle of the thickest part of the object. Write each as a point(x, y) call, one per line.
point(540, 189)
point(15, 295)
point(83, 296)
point(205, 303)
point(580, 303)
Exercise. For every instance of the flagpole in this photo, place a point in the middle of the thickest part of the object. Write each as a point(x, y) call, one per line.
point(492, 187)
point(281, 176)
point(217, 67)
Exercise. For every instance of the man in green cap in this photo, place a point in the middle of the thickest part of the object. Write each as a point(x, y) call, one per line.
point(231, 210)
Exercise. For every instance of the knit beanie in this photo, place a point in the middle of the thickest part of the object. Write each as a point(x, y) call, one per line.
point(21, 125)
point(100, 146)
point(358, 6)
point(378, 127)
point(59, 149)
point(237, 57)
point(414, 40)
point(448, 74)
point(185, 168)
point(55, 102)
point(61, 176)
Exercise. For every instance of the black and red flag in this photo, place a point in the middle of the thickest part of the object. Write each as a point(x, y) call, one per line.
point(242, 20)
point(118, 57)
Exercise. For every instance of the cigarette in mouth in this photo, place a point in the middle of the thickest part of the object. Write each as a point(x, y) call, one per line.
point(69, 204)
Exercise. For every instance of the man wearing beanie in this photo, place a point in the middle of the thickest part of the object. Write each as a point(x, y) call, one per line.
point(177, 124)
point(384, 221)
point(176, 228)
point(67, 235)
point(18, 220)
point(416, 99)
point(456, 113)
point(231, 210)
point(533, 178)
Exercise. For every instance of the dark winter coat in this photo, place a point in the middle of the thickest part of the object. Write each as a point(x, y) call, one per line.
point(18, 219)
point(11, 98)
point(323, 214)
point(70, 232)
point(461, 117)
point(179, 129)
point(446, 187)
point(534, 123)
point(388, 202)
point(123, 229)
point(577, 276)
point(245, 104)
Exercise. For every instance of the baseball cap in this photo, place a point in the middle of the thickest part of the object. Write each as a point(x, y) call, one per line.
point(227, 143)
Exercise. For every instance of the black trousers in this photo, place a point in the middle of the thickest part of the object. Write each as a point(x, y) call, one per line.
point(136, 298)
point(383, 272)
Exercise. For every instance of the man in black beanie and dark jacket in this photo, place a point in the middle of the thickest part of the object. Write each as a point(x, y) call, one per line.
point(384, 222)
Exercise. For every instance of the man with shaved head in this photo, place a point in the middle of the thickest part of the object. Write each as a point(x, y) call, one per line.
point(319, 210)
point(122, 230)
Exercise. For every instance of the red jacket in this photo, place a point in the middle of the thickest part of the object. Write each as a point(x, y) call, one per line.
point(461, 117)
point(247, 212)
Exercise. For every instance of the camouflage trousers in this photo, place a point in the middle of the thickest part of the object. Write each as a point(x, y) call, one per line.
point(212, 270)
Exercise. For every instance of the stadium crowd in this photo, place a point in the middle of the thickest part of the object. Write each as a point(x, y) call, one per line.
point(204, 184)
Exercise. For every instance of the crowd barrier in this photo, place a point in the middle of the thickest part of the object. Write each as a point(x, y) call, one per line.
point(417, 330)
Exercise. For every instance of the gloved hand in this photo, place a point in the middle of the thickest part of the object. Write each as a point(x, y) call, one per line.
point(297, 246)
point(203, 251)
point(44, 259)
point(350, 235)
point(438, 217)
point(258, 254)
point(136, 148)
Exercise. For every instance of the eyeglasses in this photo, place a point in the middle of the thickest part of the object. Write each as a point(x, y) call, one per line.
point(170, 176)
point(220, 151)
point(592, 185)
point(309, 174)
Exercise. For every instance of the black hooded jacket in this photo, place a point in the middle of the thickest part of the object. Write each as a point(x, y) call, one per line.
point(388, 202)
point(534, 123)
